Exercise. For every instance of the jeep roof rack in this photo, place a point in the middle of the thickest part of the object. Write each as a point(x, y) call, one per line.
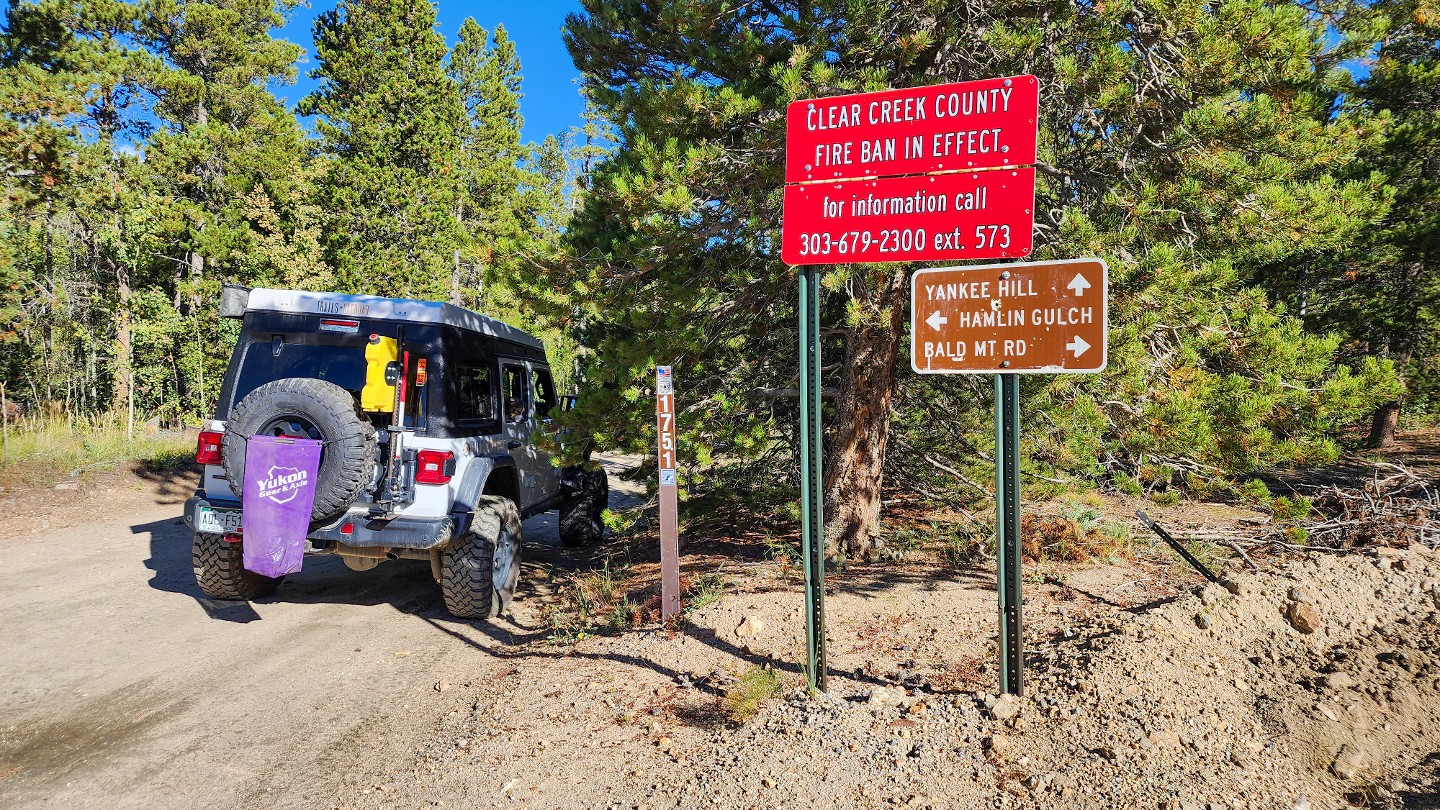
point(387, 309)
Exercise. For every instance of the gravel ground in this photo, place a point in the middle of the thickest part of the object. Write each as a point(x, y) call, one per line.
point(1312, 685)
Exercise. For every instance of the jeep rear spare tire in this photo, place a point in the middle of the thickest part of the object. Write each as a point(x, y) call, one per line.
point(480, 569)
point(313, 409)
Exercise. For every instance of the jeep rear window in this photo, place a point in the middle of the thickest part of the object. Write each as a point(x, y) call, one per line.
point(276, 359)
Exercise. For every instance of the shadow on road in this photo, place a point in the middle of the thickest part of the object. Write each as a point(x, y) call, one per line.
point(405, 585)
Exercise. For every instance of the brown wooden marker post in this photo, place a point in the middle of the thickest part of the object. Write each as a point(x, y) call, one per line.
point(669, 494)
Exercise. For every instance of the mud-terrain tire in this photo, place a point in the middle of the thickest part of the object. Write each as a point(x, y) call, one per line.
point(307, 408)
point(220, 570)
point(480, 569)
point(580, 523)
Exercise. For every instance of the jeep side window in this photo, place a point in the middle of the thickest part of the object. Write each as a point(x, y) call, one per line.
point(514, 390)
point(544, 393)
point(475, 393)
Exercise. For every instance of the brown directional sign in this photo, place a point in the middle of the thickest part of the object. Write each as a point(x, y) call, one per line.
point(1014, 318)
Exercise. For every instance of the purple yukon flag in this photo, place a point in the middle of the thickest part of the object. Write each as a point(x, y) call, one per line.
point(279, 494)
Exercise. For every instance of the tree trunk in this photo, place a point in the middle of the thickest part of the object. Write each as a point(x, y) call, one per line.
point(455, 297)
point(862, 425)
point(1382, 428)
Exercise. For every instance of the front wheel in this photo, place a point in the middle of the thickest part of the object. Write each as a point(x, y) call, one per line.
point(480, 569)
point(580, 513)
point(220, 570)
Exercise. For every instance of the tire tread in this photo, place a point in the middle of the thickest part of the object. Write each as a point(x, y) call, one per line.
point(467, 563)
point(220, 570)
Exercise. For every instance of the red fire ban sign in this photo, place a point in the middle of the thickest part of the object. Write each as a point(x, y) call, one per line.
point(948, 127)
point(1041, 317)
point(944, 217)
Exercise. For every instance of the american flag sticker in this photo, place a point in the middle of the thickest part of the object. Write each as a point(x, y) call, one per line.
point(664, 382)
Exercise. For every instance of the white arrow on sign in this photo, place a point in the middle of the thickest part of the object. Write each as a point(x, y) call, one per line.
point(1079, 284)
point(1077, 345)
point(936, 320)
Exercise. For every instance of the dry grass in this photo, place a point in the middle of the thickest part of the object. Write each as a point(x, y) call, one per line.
point(42, 450)
point(1076, 535)
point(750, 691)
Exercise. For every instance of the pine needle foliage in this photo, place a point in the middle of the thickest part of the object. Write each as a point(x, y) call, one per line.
point(1187, 143)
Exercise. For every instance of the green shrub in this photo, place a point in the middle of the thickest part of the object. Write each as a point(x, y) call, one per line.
point(1290, 509)
point(752, 689)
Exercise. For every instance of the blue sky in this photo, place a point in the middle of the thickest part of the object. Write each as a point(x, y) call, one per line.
point(552, 99)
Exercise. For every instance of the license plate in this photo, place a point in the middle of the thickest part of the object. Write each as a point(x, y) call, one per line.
point(217, 521)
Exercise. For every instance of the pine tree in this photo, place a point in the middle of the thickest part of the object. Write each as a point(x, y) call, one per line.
point(1385, 295)
point(1186, 143)
point(71, 112)
point(225, 143)
point(159, 163)
point(488, 76)
point(392, 126)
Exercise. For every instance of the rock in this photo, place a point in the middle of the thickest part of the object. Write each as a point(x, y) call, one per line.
point(1301, 803)
point(441, 685)
point(1303, 617)
point(1233, 586)
point(1348, 762)
point(1299, 594)
point(1130, 690)
point(1164, 739)
point(1202, 621)
point(1006, 708)
point(997, 744)
point(767, 782)
point(749, 627)
point(1340, 680)
point(68, 486)
point(882, 698)
point(1210, 594)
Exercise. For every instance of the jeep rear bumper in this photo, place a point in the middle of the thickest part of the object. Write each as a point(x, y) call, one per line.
point(366, 530)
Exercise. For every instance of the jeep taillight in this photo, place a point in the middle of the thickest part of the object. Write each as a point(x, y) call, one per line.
point(207, 449)
point(434, 466)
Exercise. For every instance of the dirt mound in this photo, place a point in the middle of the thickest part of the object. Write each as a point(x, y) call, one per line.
point(1311, 685)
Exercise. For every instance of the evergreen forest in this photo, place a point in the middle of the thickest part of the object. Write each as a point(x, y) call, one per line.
point(1261, 176)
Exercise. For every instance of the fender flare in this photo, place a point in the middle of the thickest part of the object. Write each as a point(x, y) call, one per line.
point(477, 475)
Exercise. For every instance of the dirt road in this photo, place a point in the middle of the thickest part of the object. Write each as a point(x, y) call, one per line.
point(1311, 682)
point(122, 685)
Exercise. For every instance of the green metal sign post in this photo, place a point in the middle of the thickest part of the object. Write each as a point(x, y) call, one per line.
point(1007, 528)
point(812, 532)
point(823, 138)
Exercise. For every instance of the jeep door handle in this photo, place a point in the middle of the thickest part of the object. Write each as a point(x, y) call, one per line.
point(514, 444)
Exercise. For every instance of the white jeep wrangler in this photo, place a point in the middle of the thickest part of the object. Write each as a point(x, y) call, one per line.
point(427, 412)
